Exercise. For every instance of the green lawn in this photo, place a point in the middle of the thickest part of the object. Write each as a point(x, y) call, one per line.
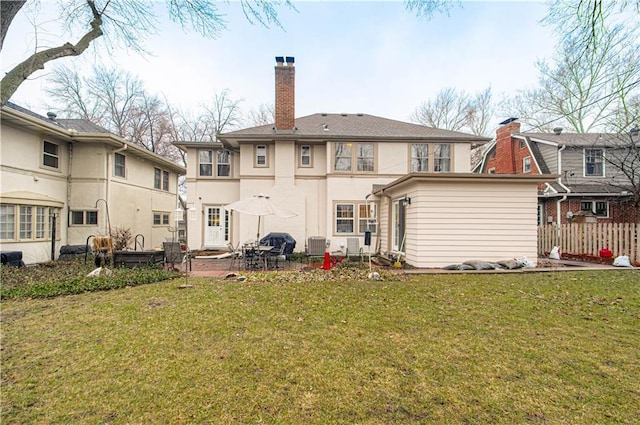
point(523, 348)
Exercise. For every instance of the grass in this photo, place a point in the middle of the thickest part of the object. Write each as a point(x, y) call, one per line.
point(525, 348)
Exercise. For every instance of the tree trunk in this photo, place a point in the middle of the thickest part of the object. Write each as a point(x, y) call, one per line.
point(8, 10)
point(12, 79)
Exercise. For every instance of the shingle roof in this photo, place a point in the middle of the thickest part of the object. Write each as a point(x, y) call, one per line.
point(82, 126)
point(581, 189)
point(357, 126)
point(578, 139)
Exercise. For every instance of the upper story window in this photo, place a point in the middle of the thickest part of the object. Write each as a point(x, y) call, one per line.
point(526, 164)
point(50, 155)
point(119, 165)
point(419, 157)
point(305, 156)
point(160, 179)
point(354, 156)
point(261, 156)
point(522, 144)
point(224, 163)
point(594, 162)
point(205, 160)
point(442, 157)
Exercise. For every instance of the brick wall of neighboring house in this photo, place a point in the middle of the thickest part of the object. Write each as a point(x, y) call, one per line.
point(619, 212)
point(285, 94)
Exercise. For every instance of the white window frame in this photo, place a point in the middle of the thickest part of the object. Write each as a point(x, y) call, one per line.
point(585, 164)
point(219, 163)
point(358, 217)
point(344, 219)
point(160, 218)
point(369, 218)
point(25, 222)
point(261, 156)
point(526, 164)
point(119, 170)
point(419, 157)
point(201, 163)
point(439, 160)
point(55, 155)
point(306, 158)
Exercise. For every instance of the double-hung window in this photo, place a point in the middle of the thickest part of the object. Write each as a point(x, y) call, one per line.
point(442, 157)
point(419, 157)
point(50, 154)
point(355, 218)
point(348, 157)
point(119, 165)
point(342, 154)
point(205, 160)
point(526, 164)
point(305, 156)
point(594, 163)
point(160, 179)
point(261, 156)
point(224, 163)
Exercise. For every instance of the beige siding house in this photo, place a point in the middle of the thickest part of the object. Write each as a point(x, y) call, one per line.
point(344, 173)
point(438, 220)
point(86, 179)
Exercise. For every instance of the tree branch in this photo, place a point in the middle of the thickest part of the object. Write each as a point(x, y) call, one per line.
point(12, 79)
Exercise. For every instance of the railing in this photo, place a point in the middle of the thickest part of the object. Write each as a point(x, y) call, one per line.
point(589, 238)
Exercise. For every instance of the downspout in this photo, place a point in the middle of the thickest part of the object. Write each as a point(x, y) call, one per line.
point(559, 180)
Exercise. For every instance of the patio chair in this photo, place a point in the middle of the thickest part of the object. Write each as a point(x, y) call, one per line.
point(316, 247)
point(277, 255)
point(236, 254)
point(353, 248)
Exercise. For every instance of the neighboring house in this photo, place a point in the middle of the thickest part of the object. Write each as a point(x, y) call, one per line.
point(332, 170)
point(85, 179)
point(583, 190)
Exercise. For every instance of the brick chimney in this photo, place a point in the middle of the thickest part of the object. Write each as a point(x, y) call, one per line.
point(505, 146)
point(285, 93)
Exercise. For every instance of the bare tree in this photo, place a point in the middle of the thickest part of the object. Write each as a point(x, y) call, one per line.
point(586, 20)
point(123, 23)
point(117, 101)
point(428, 8)
point(457, 111)
point(585, 90)
point(263, 115)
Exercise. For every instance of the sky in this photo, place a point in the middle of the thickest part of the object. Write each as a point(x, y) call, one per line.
point(368, 57)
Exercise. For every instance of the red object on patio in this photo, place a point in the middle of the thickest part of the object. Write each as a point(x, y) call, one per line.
point(605, 253)
point(326, 265)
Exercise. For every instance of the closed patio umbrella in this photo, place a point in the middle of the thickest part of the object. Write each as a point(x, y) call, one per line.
point(260, 205)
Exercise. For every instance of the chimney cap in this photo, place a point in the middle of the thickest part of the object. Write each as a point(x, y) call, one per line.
point(557, 130)
point(280, 59)
point(508, 121)
point(290, 59)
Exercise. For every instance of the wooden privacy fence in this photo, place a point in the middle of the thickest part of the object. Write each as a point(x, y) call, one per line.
point(590, 238)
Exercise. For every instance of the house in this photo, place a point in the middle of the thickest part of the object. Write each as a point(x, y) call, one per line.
point(343, 174)
point(589, 186)
point(65, 180)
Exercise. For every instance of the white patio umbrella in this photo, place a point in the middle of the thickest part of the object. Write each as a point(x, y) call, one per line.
point(260, 205)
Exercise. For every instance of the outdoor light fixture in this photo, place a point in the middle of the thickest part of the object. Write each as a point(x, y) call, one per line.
point(406, 200)
point(178, 214)
point(193, 213)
